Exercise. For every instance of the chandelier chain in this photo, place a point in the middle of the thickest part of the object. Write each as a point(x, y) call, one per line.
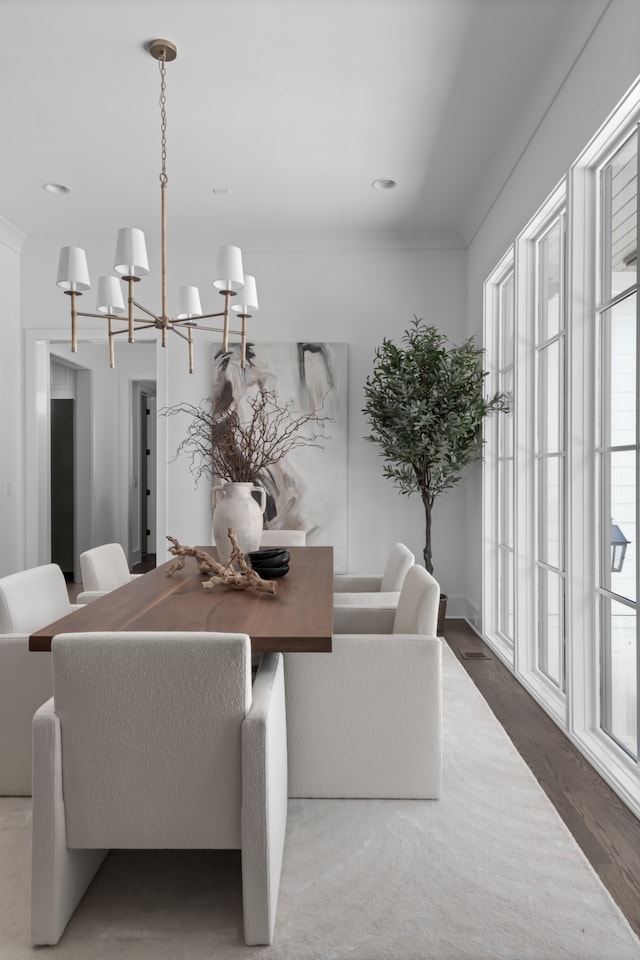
point(163, 117)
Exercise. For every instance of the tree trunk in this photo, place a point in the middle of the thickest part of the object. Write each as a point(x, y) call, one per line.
point(428, 503)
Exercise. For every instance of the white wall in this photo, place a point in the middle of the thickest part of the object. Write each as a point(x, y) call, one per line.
point(354, 296)
point(606, 68)
point(357, 297)
point(11, 422)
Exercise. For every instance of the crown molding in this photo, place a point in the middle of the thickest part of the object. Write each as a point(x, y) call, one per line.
point(10, 236)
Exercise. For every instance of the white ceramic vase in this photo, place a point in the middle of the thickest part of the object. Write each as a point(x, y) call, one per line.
point(235, 506)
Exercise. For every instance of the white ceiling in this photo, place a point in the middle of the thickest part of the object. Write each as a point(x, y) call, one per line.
point(295, 105)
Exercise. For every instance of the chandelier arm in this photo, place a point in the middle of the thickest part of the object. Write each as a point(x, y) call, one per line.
point(140, 325)
point(132, 302)
point(192, 324)
point(197, 326)
point(149, 313)
point(225, 335)
point(189, 341)
point(179, 333)
point(203, 316)
point(109, 317)
point(243, 342)
point(100, 316)
point(239, 333)
point(74, 328)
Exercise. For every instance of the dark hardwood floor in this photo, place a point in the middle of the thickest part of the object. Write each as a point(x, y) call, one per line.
point(605, 829)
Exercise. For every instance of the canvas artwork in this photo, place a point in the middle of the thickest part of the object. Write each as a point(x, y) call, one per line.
point(308, 488)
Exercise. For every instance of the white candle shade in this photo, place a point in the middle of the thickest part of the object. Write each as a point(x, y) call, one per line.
point(110, 299)
point(131, 253)
point(189, 303)
point(73, 272)
point(246, 303)
point(230, 275)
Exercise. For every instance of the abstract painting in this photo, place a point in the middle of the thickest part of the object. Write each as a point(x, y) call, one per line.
point(308, 489)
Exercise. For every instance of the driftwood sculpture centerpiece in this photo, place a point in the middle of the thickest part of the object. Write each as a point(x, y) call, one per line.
point(241, 579)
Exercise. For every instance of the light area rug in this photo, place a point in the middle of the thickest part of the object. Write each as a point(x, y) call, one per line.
point(487, 872)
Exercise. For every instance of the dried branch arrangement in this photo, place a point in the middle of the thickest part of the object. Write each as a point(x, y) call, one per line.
point(220, 444)
point(220, 575)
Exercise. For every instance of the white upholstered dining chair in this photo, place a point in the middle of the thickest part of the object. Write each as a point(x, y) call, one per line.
point(374, 590)
point(29, 600)
point(365, 721)
point(158, 740)
point(103, 569)
point(414, 611)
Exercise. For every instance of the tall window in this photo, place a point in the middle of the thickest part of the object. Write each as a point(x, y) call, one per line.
point(561, 571)
point(550, 448)
point(499, 505)
point(506, 478)
point(617, 450)
point(529, 453)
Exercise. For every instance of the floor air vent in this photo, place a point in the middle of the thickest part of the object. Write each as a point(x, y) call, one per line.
point(474, 655)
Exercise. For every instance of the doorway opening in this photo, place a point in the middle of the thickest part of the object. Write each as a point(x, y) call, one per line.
point(63, 485)
point(101, 469)
point(144, 400)
point(69, 464)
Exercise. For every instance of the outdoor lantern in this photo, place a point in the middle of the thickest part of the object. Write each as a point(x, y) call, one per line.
point(618, 548)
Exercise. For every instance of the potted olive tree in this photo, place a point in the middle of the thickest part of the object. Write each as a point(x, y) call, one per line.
point(425, 403)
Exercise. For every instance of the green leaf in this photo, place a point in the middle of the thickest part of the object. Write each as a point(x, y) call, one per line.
point(425, 404)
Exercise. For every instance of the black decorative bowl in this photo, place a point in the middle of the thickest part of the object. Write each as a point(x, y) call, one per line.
point(272, 573)
point(268, 558)
point(269, 553)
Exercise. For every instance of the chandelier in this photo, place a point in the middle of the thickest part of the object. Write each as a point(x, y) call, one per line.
point(131, 264)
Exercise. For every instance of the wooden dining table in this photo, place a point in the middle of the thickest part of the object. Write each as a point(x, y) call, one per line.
point(297, 618)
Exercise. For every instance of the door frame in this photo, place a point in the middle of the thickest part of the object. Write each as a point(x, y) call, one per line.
point(39, 345)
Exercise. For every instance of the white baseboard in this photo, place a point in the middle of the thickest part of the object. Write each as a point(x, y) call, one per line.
point(459, 608)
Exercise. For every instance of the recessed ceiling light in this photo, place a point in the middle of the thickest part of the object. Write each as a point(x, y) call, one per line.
point(384, 184)
point(56, 188)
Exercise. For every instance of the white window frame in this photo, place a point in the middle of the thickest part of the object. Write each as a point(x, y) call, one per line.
point(491, 616)
point(577, 709)
point(583, 640)
point(530, 674)
point(608, 594)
